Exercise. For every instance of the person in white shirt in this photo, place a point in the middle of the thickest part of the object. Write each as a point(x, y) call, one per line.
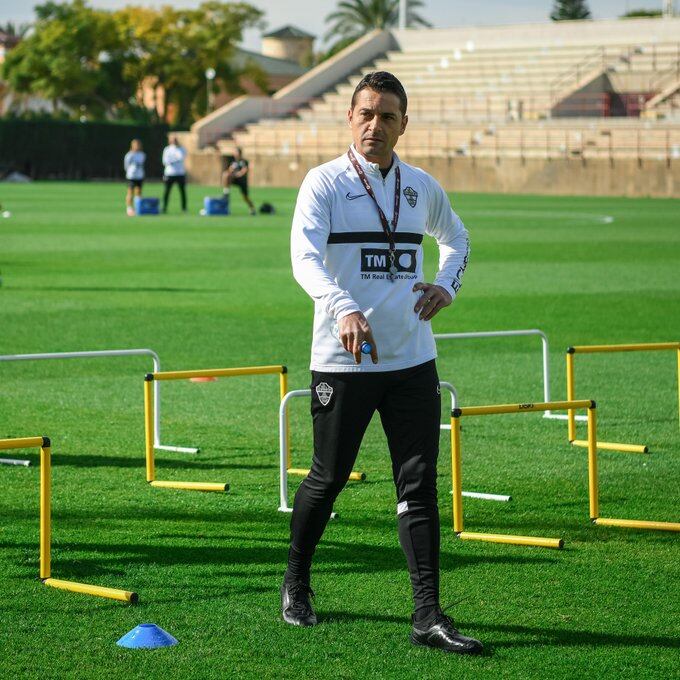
point(356, 249)
point(174, 172)
point(133, 163)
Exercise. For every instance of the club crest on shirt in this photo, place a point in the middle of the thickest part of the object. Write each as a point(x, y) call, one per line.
point(324, 391)
point(411, 196)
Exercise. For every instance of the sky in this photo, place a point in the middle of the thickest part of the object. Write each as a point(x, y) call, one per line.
point(310, 15)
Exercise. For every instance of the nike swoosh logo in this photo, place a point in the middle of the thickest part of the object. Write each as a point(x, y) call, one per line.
point(349, 197)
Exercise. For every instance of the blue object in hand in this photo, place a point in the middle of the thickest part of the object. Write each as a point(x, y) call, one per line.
point(366, 348)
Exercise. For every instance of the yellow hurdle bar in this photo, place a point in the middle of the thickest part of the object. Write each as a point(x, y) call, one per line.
point(593, 489)
point(537, 542)
point(593, 492)
point(613, 446)
point(303, 472)
point(45, 509)
point(593, 349)
point(22, 443)
point(571, 414)
point(149, 435)
point(98, 591)
point(523, 408)
point(191, 486)
point(283, 391)
point(457, 476)
point(149, 430)
point(637, 524)
point(44, 444)
point(456, 465)
point(218, 372)
point(639, 347)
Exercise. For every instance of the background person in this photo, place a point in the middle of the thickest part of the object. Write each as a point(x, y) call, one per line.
point(174, 172)
point(237, 174)
point(134, 173)
point(356, 249)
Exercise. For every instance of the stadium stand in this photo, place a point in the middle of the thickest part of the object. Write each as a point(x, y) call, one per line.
point(603, 92)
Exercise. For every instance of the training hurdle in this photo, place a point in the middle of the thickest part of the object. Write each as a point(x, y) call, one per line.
point(456, 465)
point(601, 349)
point(98, 354)
point(594, 493)
point(150, 420)
point(513, 334)
point(285, 454)
point(43, 443)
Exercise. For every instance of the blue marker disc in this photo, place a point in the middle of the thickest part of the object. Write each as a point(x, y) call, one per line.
point(366, 347)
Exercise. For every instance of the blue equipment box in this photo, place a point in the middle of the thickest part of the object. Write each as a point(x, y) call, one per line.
point(146, 206)
point(216, 206)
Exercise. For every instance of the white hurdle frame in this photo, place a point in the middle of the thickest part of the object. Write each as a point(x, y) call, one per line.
point(109, 353)
point(509, 334)
point(14, 461)
point(284, 444)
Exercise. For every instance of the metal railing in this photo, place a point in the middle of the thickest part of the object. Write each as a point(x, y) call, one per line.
point(576, 143)
point(666, 77)
point(573, 75)
point(451, 108)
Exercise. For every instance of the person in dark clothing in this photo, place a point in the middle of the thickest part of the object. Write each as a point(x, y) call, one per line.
point(237, 174)
point(364, 272)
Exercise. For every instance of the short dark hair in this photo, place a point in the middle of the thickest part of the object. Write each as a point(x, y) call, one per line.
point(382, 81)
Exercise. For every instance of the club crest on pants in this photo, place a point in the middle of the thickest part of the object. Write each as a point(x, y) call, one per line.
point(324, 391)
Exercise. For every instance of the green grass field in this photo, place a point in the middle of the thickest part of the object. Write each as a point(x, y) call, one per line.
point(214, 292)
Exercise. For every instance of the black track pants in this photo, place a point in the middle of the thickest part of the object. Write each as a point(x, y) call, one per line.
point(409, 405)
point(168, 181)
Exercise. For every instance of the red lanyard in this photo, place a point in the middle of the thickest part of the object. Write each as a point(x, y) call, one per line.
point(389, 233)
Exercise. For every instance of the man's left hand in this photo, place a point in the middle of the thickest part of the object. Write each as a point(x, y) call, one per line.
point(433, 299)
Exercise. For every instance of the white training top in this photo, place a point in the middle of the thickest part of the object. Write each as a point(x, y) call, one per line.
point(339, 253)
point(173, 160)
point(134, 164)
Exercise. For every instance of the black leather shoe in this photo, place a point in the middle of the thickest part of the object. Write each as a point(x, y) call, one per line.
point(441, 634)
point(296, 607)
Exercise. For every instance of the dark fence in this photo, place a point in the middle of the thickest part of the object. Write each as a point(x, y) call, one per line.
point(53, 149)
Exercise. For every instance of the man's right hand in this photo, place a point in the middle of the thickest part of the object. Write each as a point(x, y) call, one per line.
point(354, 330)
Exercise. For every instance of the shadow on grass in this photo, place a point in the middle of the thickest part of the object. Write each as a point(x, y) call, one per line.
point(194, 593)
point(538, 636)
point(335, 558)
point(95, 460)
point(572, 638)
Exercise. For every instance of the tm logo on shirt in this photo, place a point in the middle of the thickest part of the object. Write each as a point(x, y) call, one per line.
point(377, 260)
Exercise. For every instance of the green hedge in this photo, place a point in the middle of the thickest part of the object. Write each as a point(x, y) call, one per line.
point(53, 149)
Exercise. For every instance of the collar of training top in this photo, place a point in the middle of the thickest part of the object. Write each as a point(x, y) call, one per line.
point(373, 168)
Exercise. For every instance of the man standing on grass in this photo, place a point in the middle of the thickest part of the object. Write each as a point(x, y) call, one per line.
point(174, 172)
point(356, 249)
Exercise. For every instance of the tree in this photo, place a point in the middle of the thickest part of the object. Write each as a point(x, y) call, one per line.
point(354, 18)
point(67, 58)
point(15, 30)
point(569, 10)
point(169, 51)
point(96, 63)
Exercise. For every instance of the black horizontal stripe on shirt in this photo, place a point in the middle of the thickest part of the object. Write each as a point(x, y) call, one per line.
point(372, 237)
